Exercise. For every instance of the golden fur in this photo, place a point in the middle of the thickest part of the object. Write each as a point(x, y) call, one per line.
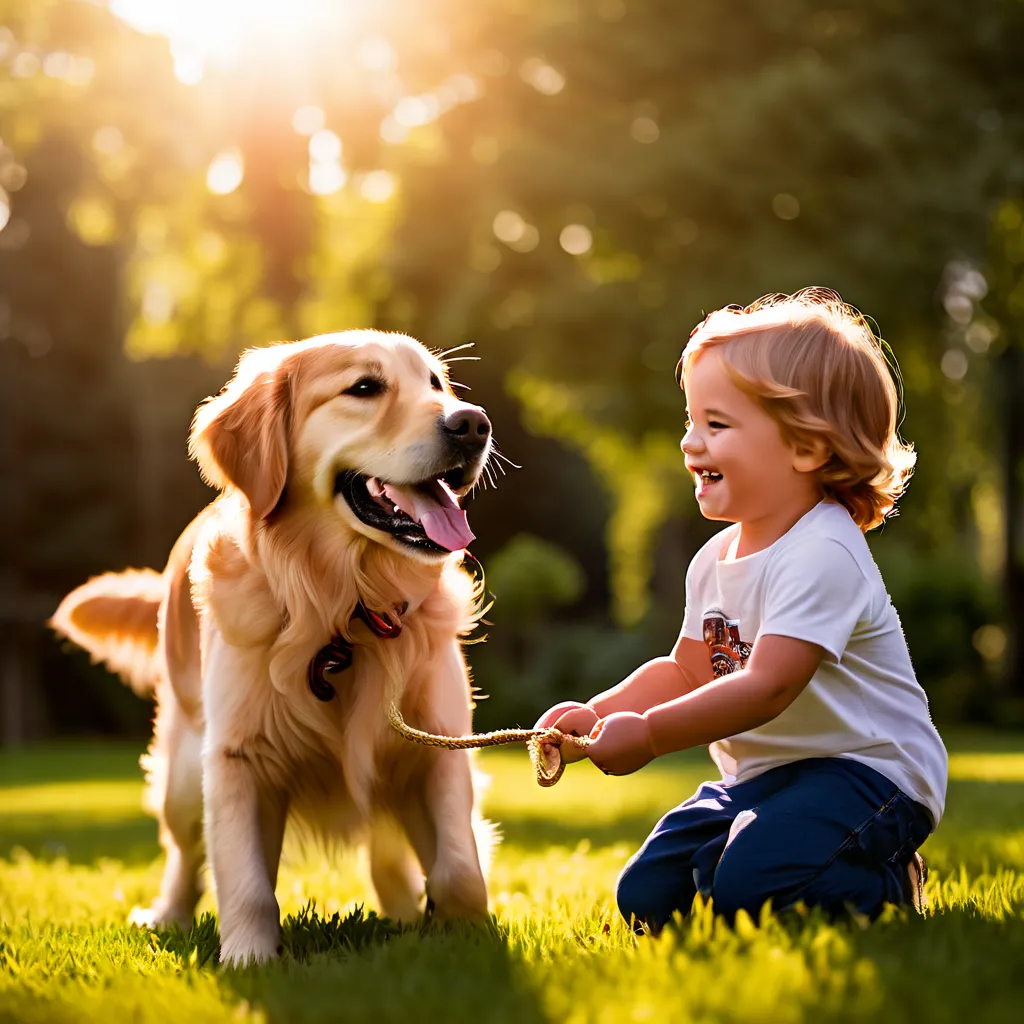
point(255, 586)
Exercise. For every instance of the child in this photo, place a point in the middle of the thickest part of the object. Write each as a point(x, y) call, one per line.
point(791, 661)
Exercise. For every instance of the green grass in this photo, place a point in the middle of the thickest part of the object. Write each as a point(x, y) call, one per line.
point(76, 853)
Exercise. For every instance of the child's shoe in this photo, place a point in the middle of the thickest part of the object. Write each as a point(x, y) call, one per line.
point(917, 875)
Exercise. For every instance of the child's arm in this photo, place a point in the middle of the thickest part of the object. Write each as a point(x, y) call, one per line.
point(659, 680)
point(656, 682)
point(778, 670)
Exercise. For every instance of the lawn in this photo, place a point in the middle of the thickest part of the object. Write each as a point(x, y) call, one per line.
point(76, 853)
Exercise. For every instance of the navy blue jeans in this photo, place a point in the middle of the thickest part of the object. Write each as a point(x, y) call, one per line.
point(830, 832)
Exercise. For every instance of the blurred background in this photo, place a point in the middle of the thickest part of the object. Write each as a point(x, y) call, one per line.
point(569, 185)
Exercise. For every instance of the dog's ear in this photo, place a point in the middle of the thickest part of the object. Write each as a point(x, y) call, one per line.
point(240, 438)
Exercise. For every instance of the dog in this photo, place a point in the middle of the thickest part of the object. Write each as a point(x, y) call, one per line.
point(341, 461)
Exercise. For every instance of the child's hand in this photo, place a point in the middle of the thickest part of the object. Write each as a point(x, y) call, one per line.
point(574, 719)
point(621, 743)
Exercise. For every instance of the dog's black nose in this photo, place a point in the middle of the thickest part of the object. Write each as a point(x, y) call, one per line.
point(468, 426)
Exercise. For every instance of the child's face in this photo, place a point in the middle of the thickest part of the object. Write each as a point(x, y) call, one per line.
point(743, 468)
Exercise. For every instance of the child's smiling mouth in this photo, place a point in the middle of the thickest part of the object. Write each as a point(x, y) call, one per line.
point(704, 479)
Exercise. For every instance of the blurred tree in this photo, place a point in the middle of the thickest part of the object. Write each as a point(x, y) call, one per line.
point(628, 167)
point(532, 577)
point(572, 184)
point(1002, 331)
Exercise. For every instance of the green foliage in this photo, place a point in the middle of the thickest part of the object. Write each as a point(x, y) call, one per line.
point(590, 177)
point(944, 605)
point(712, 157)
point(557, 950)
point(522, 672)
point(640, 476)
point(735, 154)
point(527, 663)
point(531, 576)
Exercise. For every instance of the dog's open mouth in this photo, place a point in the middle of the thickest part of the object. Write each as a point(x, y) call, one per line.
point(424, 515)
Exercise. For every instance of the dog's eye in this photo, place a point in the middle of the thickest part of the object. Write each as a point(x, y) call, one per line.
point(435, 383)
point(365, 387)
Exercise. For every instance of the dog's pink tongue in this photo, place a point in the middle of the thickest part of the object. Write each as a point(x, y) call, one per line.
point(442, 519)
point(448, 527)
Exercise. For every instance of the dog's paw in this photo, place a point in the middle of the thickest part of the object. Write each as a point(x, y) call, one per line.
point(159, 916)
point(240, 950)
point(457, 895)
point(250, 932)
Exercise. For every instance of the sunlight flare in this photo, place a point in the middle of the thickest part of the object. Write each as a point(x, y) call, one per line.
point(203, 32)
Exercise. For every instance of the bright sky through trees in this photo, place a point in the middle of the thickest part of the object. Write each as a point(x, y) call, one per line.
point(203, 32)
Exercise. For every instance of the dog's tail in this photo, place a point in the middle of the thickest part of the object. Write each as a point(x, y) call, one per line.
point(114, 617)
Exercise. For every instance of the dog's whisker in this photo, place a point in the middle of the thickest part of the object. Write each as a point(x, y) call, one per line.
point(488, 472)
point(457, 348)
point(504, 458)
point(463, 359)
point(459, 384)
point(493, 464)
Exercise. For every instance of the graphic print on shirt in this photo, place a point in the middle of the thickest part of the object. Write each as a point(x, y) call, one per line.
point(722, 635)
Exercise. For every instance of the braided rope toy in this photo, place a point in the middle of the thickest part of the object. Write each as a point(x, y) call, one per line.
point(544, 745)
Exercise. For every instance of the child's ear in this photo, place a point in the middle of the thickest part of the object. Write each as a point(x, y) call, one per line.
point(810, 456)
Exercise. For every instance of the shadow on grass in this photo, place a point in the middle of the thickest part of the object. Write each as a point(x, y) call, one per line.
point(982, 829)
point(362, 967)
point(82, 834)
point(972, 803)
point(133, 841)
point(303, 936)
point(77, 761)
point(535, 833)
point(965, 739)
point(960, 965)
point(981, 826)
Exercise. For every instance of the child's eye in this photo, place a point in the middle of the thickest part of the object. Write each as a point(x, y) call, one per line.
point(716, 425)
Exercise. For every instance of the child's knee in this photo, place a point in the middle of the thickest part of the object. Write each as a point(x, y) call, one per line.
point(637, 896)
point(646, 898)
point(629, 890)
point(738, 884)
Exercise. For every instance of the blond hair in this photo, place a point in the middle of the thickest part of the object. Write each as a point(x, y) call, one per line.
point(816, 366)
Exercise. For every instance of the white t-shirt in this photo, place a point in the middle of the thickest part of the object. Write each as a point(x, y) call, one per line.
point(818, 582)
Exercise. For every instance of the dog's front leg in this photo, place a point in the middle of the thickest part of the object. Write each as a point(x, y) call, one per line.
point(244, 817)
point(455, 881)
point(455, 885)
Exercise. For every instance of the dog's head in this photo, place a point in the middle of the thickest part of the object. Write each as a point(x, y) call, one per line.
point(363, 423)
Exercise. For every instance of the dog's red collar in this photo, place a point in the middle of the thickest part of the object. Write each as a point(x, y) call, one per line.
point(337, 655)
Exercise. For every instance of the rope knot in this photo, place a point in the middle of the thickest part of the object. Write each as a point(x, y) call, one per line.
point(544, 745)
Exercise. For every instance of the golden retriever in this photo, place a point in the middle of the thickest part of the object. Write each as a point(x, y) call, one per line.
point(340, 460)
